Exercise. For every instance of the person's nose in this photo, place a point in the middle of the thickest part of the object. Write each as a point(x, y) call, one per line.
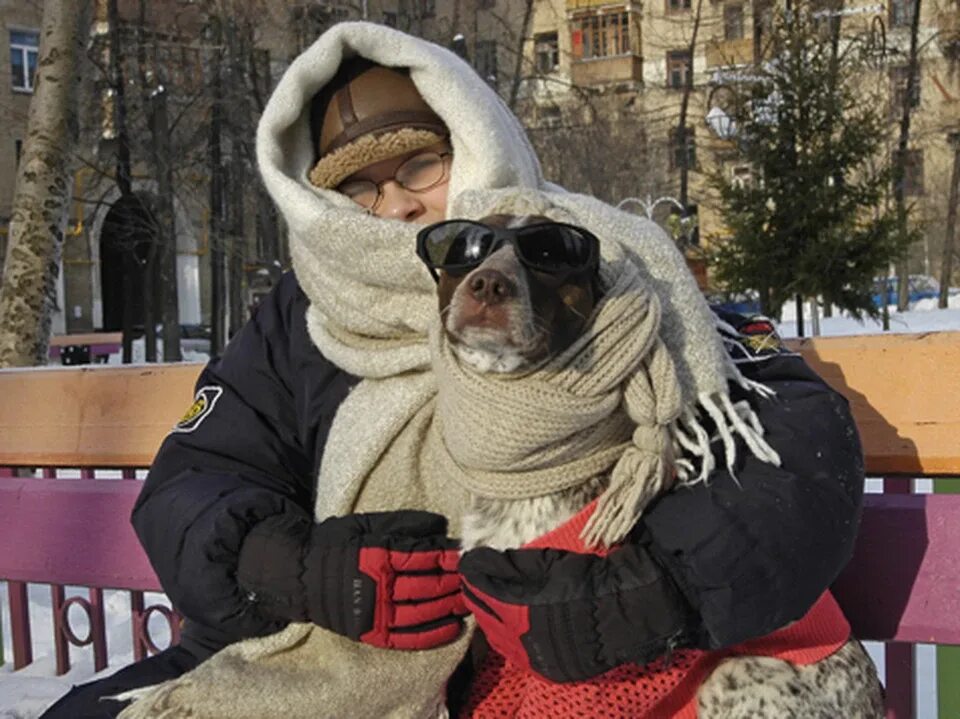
point(398, 203)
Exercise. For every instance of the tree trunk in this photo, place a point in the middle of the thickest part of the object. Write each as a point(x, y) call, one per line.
point(682, 120)
point(124, 171)
point(518, 67)
point(150, 270)
point(165, 238)
point(899, 169)
point(798, 299)
point(28, 293)
point(237, 257)
point(215, 160)
point(950, 239)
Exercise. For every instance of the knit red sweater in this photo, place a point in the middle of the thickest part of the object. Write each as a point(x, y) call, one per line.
point(657, 690)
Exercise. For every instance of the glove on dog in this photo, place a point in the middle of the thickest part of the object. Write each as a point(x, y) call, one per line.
point(387, 579)
point(569, 616)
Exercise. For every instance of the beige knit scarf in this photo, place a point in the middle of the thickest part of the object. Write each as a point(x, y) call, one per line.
point(606, 405)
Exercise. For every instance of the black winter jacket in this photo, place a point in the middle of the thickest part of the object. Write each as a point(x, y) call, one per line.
point(750, 553)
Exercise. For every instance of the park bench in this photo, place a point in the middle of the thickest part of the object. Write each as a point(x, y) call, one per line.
point(902, 586)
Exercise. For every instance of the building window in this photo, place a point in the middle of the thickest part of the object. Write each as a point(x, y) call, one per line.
point(901, 13)
point(24, 48)
point(763, 14)
point(678, 69)
point(899, 76)
point(390, 19)
point(678, 5)
point(17, 152)
point(733, 22)
point(603, 35)
point(549, 116)
point(486, 61)
point(683, 148)
point(546, 50)
point(912, 172)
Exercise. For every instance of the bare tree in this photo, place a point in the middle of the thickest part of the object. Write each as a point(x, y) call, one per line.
point(900, 156)
point(28, 293)
point(949, 240)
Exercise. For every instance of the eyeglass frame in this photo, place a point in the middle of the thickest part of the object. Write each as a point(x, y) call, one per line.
point(505, 236)
point(379, 185)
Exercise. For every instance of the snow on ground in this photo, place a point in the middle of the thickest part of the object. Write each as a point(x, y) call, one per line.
point(26, 693)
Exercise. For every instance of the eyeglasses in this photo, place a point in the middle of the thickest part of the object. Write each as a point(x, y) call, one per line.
point(555, 248)
point(418, 174)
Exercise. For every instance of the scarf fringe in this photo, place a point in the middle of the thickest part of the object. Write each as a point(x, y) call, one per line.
point(730, 420)
point(641, 474)
point(154, 702)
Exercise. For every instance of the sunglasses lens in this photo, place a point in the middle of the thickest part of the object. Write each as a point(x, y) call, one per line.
point(555, 248)
point(455, 245)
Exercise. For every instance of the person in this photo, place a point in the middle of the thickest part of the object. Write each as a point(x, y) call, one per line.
point(284, 495)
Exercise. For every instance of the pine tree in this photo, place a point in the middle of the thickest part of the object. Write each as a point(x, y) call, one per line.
point(813, 221)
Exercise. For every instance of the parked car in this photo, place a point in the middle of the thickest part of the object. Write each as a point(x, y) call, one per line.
point(920, 287)
point(741, 303)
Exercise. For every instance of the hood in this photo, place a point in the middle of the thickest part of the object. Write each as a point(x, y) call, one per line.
point(491, 149)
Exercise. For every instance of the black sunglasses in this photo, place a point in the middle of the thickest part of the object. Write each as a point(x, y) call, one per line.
point(458, 246)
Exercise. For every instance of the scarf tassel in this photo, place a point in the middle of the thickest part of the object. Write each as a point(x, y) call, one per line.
point(641, 474)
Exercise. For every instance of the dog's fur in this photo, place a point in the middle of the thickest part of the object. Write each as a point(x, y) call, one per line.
point(504, 317)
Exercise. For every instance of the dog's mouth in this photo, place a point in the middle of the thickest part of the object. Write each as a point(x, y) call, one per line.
point(490, 344)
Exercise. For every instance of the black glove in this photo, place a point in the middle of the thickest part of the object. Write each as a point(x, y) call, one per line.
point(388, 579)
point(569, 616)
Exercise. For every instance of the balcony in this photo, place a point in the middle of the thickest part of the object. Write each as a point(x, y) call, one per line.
point(604, 70)
point(590, 4)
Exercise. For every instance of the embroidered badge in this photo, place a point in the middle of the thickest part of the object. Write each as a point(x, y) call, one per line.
point(200, 409)
point(761, 337)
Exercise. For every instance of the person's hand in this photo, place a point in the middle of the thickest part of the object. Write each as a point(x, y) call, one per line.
point(568, 616)
point(387, 579)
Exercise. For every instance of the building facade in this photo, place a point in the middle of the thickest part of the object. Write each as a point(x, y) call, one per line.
point(598, 84)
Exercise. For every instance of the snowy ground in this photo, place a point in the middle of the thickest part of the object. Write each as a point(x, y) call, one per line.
point(27, 693)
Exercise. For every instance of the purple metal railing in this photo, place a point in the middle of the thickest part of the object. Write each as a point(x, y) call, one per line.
point(898, 656)
point(92, 606)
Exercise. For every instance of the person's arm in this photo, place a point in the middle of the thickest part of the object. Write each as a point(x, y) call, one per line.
point(237, 457)
point(709, 565)
point(225, 514)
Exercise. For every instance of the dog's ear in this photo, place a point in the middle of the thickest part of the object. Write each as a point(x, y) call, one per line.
point(596, 286)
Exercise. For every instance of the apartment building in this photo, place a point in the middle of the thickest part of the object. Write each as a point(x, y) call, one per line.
point(599, 85)
point(624, 65)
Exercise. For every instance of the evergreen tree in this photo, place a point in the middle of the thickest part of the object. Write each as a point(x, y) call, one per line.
point(813, 221)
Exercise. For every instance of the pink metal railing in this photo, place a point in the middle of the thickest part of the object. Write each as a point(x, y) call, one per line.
point(92, 605)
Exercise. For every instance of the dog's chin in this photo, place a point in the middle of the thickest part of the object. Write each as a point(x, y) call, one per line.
point(487, 350)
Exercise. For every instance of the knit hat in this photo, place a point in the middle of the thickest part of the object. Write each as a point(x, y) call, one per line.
point(365, 114)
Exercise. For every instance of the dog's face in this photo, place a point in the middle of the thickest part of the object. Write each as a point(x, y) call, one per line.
point(503, 316)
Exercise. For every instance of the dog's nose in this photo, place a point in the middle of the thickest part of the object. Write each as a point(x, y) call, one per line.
point(491, 287)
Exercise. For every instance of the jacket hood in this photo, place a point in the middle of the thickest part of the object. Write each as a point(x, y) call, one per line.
point(491, 149)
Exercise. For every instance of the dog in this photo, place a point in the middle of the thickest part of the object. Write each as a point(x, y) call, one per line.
point(506, 312)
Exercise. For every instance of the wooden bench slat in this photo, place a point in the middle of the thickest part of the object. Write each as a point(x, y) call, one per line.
point(91, 416)
point(904, 391)
point(42, 523)
point(903, 583)
point(88, 338)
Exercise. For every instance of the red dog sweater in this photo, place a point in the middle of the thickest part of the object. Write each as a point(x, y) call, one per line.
point(657, 690)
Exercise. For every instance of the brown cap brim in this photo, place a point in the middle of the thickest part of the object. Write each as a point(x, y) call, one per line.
point(334, 167)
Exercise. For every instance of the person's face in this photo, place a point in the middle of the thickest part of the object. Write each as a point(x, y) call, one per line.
point(398, 179)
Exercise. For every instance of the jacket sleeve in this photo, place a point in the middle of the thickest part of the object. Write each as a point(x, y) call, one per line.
point(753, 552)
point(243, 452)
